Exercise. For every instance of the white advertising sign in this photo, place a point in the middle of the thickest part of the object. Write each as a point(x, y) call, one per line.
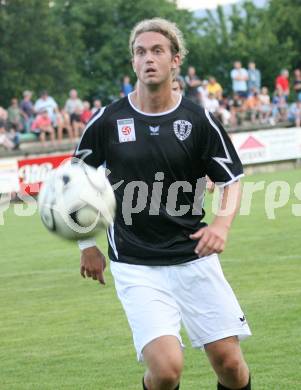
point(9, 176)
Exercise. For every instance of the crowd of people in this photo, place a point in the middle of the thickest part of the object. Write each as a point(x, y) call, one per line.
point(249, 102)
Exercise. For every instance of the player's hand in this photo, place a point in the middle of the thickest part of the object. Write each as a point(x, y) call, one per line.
point(93, 264)
point(211, 239)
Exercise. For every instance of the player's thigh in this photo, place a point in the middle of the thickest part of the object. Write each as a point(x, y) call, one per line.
point(164, 356)
point(150, 308)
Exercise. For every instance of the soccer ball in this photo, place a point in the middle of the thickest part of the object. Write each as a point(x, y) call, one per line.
point(76, 201)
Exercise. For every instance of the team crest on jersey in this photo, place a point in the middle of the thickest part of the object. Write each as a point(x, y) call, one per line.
point(154, 130)
point(182, 129)
point(126, 130)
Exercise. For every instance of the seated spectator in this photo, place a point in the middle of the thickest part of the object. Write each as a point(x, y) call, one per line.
point(236, 110)
point(265, 105)
point(239, 76)
point(42, 125)
point(126, 86)
point(294, 113)
point(203, 93)
point(297, 84)
point(62, 123)
point(14, 115)
point(73, 103)
point(279, 106)
point(3, 114)
point(76, 122)
point(211, 104)
point(46, 102)
point(8, 139)
point(252, 106)
point(96, 105)
point(192, 83)
point(87, 113)
point(27, 111)
point(224, 114)
point(282, 81)
point(215, 88)
point(254, 77)
point(178, 86)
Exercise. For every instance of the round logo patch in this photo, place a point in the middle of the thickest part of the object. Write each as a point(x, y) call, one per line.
point(182, 129)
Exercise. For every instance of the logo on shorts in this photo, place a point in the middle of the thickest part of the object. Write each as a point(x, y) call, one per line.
point(182, 129)
point(243, 320)
point(126, 130)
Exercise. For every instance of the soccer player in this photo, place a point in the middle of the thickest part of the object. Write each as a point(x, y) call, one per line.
point(158, 146)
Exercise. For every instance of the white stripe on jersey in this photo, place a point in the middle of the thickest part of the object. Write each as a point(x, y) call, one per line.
point(221, 160)
point(111, 238)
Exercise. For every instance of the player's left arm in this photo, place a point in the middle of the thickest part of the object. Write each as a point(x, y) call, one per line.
point(213, 238)
point(224, 168)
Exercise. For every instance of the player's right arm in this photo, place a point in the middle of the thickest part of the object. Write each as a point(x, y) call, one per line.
point(90, 151)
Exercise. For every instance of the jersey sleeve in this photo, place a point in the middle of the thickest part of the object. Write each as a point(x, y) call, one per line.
point(91, 147)
point(223, 165)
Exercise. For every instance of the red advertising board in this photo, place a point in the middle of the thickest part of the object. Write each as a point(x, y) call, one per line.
point(33, 171)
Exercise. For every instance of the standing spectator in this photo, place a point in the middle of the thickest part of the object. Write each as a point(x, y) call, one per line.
point(73, 103)
point(282, 82)
point(126, 86)
point(294, 114)
point(46, 102)
point(254, 77)
point(192, 83)
point(265, 105)
point(42, 126)
point(96, 105)
point(215, 88)
point(87, 113)
point(239, 78)
point(14, 115)
point(297, 83)
point(27, 110)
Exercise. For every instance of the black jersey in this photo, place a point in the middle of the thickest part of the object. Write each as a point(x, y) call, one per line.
point(156, 163)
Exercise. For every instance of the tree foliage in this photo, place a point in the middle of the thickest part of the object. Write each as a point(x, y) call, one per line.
point(62, 44)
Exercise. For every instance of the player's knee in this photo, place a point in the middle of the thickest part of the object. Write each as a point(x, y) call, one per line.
point(231, 366)
point(169, 375)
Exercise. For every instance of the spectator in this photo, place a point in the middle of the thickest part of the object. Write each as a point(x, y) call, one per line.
point(9, 140)
point(211, 103)
point(279, 108)
point(46, 102)
point(294, 114)
point(203, 93)
point(297, 83)
point(236, 110)
point(239, 78)
point(62, 122)
point(14, 115)
point(215, 88)
point(252, 106)
point(126, 86)
point(76, 122)
point(73, 103)
point(3, 115)
point(224, 113)
point(254, 77)
point(27, 111)
point(192, 83)
point(282, 82)
point(265, 105)
point(42, 125)
point(96, 105)
point(178, 85)
point(87, 113)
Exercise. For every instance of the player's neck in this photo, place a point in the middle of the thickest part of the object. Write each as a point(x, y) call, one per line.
point(154, 101)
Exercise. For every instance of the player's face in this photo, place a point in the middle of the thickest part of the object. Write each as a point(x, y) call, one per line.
point(153, 61)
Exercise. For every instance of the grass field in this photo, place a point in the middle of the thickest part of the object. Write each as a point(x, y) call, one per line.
point(59, 331)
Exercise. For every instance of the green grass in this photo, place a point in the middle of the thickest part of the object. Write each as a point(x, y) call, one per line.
point(58, 331)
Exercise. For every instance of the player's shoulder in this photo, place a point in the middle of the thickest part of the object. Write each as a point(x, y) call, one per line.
point(106, 112)
point(116, 106)
point(194, 109)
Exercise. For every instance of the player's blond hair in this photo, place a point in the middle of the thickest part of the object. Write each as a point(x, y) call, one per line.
point(169, 29)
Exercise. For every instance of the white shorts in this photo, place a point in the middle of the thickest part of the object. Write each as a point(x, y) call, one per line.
point(157, 299)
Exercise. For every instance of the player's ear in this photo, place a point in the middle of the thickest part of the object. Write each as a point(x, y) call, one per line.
point(133, 66)
point(176, 61)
